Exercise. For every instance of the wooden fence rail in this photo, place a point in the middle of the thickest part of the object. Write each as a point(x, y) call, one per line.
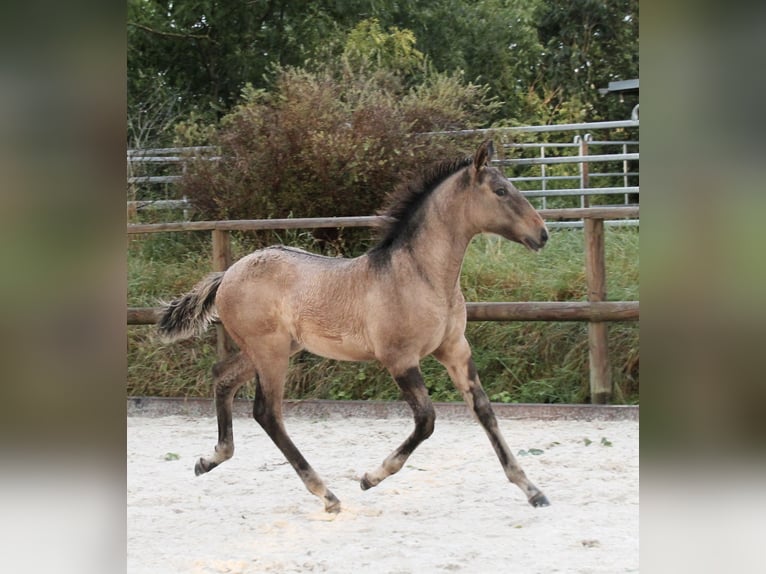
point(602, 213)
point(597, 311)
point(516, 311)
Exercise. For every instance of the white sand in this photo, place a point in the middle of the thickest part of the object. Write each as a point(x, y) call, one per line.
point(450, 509)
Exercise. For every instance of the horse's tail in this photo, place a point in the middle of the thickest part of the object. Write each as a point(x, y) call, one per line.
point(191, 314)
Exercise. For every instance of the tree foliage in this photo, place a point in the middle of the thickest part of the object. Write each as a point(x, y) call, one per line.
point(201, 53)
point(368, 46)
point(207, 50)
point(543, 59)
point(586, 44)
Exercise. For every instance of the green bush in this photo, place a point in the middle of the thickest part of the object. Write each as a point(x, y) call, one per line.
point(328, 143)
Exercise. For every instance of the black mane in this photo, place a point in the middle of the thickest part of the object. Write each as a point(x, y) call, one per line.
point(402, 212)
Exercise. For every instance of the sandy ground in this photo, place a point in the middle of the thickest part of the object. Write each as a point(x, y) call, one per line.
point(450, 509)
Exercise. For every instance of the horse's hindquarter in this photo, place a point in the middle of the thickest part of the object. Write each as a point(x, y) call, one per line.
point(251, 298)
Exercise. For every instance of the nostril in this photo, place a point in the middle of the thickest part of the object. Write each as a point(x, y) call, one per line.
point(544, 235)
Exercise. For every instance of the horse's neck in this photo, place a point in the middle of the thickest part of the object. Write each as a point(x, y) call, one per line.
point(438, 249)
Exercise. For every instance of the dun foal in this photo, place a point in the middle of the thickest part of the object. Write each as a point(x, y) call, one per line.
point(396, 304)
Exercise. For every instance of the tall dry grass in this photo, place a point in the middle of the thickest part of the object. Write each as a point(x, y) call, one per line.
point(517, 361)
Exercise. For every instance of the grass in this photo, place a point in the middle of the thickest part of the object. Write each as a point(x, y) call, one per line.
point(536, 362)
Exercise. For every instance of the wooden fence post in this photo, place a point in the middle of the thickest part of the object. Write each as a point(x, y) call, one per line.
point(598, 340)
point(221, 262)
point(584, 169)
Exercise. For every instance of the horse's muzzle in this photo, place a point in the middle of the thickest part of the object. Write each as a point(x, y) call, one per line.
point(536, 244)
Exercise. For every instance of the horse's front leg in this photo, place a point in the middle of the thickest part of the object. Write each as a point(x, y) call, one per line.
point(229, 375)
point(460, 366)
point(414, 391)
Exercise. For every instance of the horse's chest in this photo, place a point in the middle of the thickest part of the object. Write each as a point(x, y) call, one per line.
point(417, 333)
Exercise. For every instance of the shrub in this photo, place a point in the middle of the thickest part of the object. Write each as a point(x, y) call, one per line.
point(328, 143)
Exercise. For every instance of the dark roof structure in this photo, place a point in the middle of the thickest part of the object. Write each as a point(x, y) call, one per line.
point(620, 87)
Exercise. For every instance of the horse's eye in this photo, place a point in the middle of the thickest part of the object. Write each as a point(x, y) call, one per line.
point(500, 192)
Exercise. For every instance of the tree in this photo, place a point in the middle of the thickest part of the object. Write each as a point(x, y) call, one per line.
point(152, 114)
point(586, 44)
point(207, 50)
point(544, 59)
point(369, 46)
point(492, 42)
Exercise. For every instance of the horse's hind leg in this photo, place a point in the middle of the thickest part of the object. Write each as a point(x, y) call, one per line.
point(267, 411)
point(462, 371)
point(415, 393)
point(230, 374)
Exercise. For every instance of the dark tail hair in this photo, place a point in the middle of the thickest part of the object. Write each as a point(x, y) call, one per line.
point(191, 314)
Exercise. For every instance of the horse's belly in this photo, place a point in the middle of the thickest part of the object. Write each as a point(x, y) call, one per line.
point(339, 348)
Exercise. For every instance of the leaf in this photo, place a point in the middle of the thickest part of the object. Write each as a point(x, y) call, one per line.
point(605, 442)
point(587, 441)
point(172, 456)
point(533, 451)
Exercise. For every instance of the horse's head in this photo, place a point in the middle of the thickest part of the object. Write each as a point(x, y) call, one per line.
point(498, 207)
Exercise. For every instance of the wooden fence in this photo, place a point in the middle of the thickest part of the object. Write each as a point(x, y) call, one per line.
point(596, 310)
point(617, 176)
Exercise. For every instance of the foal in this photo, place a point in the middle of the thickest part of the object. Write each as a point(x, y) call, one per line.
point(396, 304)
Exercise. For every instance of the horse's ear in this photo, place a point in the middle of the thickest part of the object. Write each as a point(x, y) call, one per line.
point(483, 155)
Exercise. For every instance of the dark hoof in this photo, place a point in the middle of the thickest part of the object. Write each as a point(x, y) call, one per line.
point(203, 466)
point(365, 483)
point(539, 500)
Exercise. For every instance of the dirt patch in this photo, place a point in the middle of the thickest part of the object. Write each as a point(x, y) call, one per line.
point(450, 509)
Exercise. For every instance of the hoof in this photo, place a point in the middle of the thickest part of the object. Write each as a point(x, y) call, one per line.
point(539, 500)
point(203, 466)
point(332, 506)
point(365, 483)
